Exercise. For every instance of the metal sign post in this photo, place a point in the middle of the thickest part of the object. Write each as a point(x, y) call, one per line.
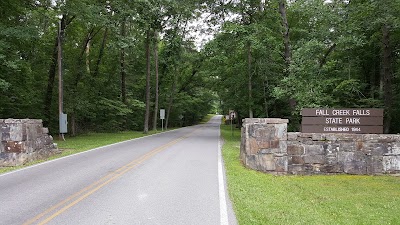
point(162, 117)
point(232, 116)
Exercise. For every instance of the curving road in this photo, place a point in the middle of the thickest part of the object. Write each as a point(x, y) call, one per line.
point(174, 177)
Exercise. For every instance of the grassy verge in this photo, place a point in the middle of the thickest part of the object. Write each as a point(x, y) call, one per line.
point(260, 198)
point(81, 143)
point(206, 118)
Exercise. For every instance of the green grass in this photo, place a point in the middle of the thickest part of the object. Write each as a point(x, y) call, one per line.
point(260, 198)
point(81, 143)
point(206, 118)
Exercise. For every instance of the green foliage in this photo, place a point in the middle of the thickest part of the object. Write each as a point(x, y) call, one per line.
point(336, 59)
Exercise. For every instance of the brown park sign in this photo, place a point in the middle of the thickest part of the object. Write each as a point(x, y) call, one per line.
point(363, 121)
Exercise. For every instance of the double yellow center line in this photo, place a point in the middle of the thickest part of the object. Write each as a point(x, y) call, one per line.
point(72, 200)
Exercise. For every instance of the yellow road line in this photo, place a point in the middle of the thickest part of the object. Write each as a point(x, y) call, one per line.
point(92, 188)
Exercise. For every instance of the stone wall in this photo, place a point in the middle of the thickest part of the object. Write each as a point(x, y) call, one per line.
point(267, 147)
point(24, 140)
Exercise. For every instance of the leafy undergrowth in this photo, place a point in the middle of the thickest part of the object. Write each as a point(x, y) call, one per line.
point(260, 198)
point(81, 143)
point(207, 118)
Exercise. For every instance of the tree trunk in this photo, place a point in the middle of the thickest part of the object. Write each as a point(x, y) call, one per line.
point(101, 53)
point(287, 52)
point(322, 62)
point(156, 71)
point(171, 100)
point(122, 62)
point(88, 56)
point(50, 86)
point(73, 125)
point(387, 76)
point(79, 62)
point(147, 114)
point(265, 98)
point(249, 59)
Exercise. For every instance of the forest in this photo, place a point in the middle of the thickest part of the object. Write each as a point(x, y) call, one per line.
point(124, 60)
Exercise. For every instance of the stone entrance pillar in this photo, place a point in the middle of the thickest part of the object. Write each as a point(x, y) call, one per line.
point(263, 145)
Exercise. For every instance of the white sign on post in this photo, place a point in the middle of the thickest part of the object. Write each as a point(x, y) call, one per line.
point(162, 114)
point(162, 117)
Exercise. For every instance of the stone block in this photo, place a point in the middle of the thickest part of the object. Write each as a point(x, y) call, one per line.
point(274, 143)
point(316, 168)
point(349, 137)
point(10, 121)
point(353, 162)
point(24, 132)
point(292, 136)
point(2, 146)
point(48, 139)
point(270, 151)
point(264, 144)
point(14, 147)
point(252, 148)
point(330, 168)
point(307, 142)
point(281, 163)
point(16, 132)
point(297, 160)
point(331, 159)
point(252, 162)
point(330, 148)
point(295, 150)
point(45, 130)
point(276, 121)
point(283, 147)
point(39, 143)
point(391, 164)
point(308, 168)
point(347, 146)
point(313, 159)
point(318, 137)
point(375, 148)
point(5, 133)
point(281, 131)
point(261, 131)
point(314, 149)
point(30, 146)
point(377, 137)
point(306, 135)
point(296, 169)
point(374, 165)
point(396, 137)
point(394, 148)
point(266, 162)
point(331, 137)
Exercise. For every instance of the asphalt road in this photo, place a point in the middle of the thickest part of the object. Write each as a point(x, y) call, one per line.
point(174, 177)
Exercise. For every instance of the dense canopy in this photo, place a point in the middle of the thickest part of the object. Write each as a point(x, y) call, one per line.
point(124, 60)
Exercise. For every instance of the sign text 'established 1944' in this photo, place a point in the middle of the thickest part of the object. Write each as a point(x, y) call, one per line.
point(363, 121)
